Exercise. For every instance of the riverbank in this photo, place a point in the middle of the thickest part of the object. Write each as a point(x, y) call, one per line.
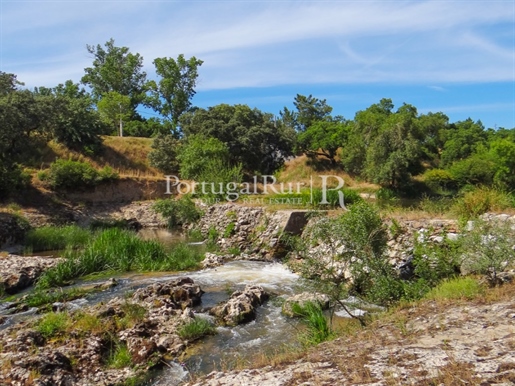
point(431, 342)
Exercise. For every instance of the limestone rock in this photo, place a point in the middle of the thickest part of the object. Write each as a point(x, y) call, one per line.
point(241, 306)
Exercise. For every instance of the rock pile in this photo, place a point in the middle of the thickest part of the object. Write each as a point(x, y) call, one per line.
point(241, 306)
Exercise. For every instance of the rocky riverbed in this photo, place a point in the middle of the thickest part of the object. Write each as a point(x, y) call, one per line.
point(459, 343)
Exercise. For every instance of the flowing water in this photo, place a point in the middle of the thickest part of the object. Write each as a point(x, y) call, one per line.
point(266, 333)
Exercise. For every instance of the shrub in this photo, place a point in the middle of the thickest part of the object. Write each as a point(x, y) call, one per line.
point(481, 200)
point(439, 180)
point(178, 212)
point(120, 357)
point(474, 170)
point(70, 175)
point(196, 329)
point(489, 248)
point(164, 154)
point(118, 250)
point(457, 288)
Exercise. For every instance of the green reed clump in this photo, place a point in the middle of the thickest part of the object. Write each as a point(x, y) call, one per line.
point(318, 328)
point(49, 238)
point(196, 329)
point(118, 250)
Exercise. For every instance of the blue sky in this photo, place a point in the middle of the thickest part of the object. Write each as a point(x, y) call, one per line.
point(457, 57)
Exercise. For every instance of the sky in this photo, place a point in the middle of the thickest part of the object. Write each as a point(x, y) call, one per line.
point(457, 57)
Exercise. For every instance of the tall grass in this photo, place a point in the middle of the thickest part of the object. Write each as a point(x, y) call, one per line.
point(318, 328)
point(457, 288)
point(49, 238)
point(482, 200)
point(118, 250)
point(196, 329)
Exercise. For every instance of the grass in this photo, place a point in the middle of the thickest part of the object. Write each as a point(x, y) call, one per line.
point(196, 329)
point(318, 328)
point(120, 357)
point(482, 200)
point(122, 251)
point(40, 297)
point(52, 324)
point(456, 288)
point(51, 238)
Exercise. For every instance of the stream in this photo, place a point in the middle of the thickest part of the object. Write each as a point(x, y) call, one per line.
point(267, 333)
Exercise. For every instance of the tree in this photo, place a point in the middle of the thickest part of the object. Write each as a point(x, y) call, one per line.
point(115, 109)
point(171, 95)
point(366, 126)
point(394, 153)
point(116, 69)
point(461, 140)
point(73, 120)
point(253, 138)
point(309, 111)
point(164, 154)
point(8, 83)
point(324, 138)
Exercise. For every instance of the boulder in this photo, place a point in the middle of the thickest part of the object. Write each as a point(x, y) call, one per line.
point(183, 292)
point(241, 306)
point(302, 299)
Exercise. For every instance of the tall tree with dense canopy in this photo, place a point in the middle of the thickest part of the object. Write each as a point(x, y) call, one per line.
point(254, 139)
point(171, 95)
point(116, 69)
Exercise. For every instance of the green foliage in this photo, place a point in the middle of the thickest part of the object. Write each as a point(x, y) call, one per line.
point(461, 140)
point(456, 288)
point(436, 261)
point(52, 324)
point(51, 238)
point(318, 328)
point(120, 357)
point(439, 180)
point(195, 329)
point(481, 200)
point(229, 230)
point(116, 69)
point(72, 175)
point(118, 250)
point(323, 138)
point(475, 170)
point(115, 108)
point(178, 211)
point(489, 248)
point(164, 154)
point(197, 153)
point(40, 297)
point(12, 179)
point(171, 95)
point(353, 245)
point(254, 139)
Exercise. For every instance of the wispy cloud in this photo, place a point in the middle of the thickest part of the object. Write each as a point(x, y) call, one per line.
point(256, 44)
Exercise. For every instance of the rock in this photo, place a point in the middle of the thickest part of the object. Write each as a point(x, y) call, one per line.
point(241, 306)
point(302, 299)
point(141, 349)
point(112, 282)
point(183, 292)
point(19, 272)
point(212, 260)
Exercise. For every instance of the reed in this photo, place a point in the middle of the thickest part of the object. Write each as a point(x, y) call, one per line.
point(49, 238)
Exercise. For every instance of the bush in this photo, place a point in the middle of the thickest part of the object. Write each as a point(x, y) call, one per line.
point(178, 212)
point(474, 170)
point(318, 328)
point(481, 200)
point(439, 180)
point(164, 154)
point(71, 175)
point(489, 248)
point(457, 288)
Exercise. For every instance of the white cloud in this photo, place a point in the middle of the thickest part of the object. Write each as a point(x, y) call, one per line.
point(245, 44)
